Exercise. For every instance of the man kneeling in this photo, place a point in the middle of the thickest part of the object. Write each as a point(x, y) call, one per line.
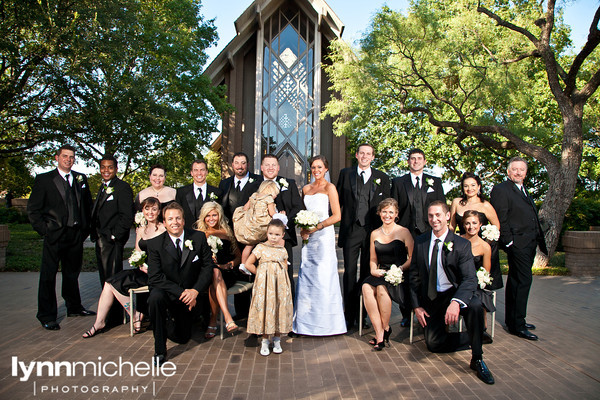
point(443, 284)
point(179, 267)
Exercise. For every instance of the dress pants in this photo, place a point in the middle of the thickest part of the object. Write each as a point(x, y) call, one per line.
point(170, 319)
point(357, 244)
point(68, 251)
point(109, 256)
point(438, 340)
point(518, 284)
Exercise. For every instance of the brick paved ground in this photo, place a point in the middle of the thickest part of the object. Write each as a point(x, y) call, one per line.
point(564, 364)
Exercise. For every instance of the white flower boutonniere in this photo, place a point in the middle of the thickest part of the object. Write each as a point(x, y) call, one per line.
point(449, 246)
point(79, 178)
point(110, 189)
point(189, 244)
point(250, 180)
point(429, 181)
point(283, 183)
point(378, 181)
point(212, 196)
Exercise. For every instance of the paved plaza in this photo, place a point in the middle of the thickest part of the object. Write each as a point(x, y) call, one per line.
point(563, 364)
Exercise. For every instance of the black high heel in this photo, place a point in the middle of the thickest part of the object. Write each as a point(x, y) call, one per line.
point(386, 335)
point(379, 346)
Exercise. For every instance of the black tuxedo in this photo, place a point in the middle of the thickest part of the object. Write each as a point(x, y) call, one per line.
point(191, 207)
point(232, 199)
point(168, 276)
point(359, 217)
point(61, 214)
point(112, 218)
point(460, 270)
point(403, 191)
point(519, 224)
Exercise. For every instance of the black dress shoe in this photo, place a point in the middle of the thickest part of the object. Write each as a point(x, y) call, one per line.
point(159, 359)
point(486, 338)
point(530, 327)
point(483, 373)
point(51, 326)
point(405, 322)
point(293, 335)
point(82, 313)
point(525, 334)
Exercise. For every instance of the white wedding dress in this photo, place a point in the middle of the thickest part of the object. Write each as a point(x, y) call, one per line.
point(319, 306)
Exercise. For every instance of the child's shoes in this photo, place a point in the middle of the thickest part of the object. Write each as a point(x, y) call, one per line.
point(264, 348)
point(277, 345)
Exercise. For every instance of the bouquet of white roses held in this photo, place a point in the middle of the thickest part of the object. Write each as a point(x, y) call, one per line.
point(138, 259)
point(306, 220)
point(215, 243)
point(490, 232)
point(483, 278)
point(140, 220)
point(394, 275)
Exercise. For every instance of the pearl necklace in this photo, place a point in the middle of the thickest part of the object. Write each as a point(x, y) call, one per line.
point(385, 233)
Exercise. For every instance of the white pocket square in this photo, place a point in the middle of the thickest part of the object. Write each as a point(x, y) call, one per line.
point(110, 198)
point(195, 259)
point(430, 190)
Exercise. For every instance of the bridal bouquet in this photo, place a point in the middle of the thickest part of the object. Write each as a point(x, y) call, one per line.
point(306, 220)
point(215, 243)
point(138, 259)
point(483, 278)
point(490, 232)
point(140, 220)
point(394, 275)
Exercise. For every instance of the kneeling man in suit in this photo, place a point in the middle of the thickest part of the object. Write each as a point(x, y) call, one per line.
point(443, 284)
point(179, 267)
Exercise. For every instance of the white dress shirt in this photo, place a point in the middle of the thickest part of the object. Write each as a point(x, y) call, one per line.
point(367, 174)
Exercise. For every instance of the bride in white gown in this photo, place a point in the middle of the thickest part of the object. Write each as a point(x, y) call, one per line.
point(319, 308)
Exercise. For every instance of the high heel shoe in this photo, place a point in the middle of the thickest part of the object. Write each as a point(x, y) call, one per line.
point(92, 332)
point(386, 335)
point(379, 346)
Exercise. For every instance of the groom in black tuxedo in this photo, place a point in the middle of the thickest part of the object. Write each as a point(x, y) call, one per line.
point(520, 235)
point(288, 202)
point(59, 210)
point(360, 190)
point(179, 268)
point(191, 197)
point(443, 284)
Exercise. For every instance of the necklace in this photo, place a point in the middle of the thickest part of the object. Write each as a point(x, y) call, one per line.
point(158, 191)
point(385, 233)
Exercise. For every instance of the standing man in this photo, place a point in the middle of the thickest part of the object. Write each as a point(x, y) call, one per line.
point(520, 234)
point(192, 197)
point(179, 267)
point(414, 192)
point(443, 284)
point(112, 217)
point(360, 190)
point(288, 202)
point(59, 210)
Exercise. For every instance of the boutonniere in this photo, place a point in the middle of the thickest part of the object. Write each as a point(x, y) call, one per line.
point(448, 246)
point(212, 196)
point(429, 181)
point(79, 178)
point(189, 244)
point(378, 181)
point(110, 189)
point(250, 180)
point(283, 183)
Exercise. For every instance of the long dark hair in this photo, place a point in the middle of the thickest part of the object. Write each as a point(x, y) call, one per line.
point(463, 198)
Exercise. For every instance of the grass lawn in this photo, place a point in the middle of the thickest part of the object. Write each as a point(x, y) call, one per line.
point(24, 252)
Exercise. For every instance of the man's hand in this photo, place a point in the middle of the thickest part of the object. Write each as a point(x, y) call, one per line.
point(452, 313)
point(421, 314)
point(188, 297)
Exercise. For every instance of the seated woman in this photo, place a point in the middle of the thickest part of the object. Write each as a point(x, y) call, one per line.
point(390, 244)
point(213, 222)
point(118, 285)
point(157, 189)
point(482, 256)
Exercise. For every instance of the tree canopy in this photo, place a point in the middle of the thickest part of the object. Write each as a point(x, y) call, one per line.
point(473, 84)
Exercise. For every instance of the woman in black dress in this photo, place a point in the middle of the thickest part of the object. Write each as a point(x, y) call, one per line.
point(213, 222)
point(157, 189)
point(391, 244)
point(118, 285)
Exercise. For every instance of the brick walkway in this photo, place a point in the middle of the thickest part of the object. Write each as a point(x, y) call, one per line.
point(564, 364)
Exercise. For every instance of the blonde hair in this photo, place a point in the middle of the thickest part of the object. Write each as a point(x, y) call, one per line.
point(200, 225)
point(269, 187)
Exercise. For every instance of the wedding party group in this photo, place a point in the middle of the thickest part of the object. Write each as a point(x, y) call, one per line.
point(400, 239)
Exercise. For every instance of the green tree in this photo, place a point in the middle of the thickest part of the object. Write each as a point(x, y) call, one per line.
point(475, 84)
point(15, 176)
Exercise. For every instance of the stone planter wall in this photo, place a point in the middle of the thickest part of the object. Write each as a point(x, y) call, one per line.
point(582, 252)
point(4, 238)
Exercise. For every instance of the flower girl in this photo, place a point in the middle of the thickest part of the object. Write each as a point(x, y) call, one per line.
point(271, 309)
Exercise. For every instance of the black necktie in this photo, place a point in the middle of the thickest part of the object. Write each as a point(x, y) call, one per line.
point(362, 176)
point(238, 186)
point(418, 204)
point(432, 288)
point(200, 197)
point(417, 186)
point(67, 178)
point(178, 247)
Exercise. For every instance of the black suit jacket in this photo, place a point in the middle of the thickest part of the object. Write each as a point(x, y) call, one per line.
point(194, 271)
point(458, 265)
point(47, 207)
point(226, 186)
point(403, 191)
point(518, 216)
point(187, 200)
point(112, 214)
point(289, 200)
point(348, 194)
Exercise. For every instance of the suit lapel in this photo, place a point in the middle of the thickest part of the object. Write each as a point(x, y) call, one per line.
point(60, 185)
point(185, 253)
point(191, 199)
point(77, 189)
point(353, 177)
point(170, 247)
point(372, 184)
point(409, 190)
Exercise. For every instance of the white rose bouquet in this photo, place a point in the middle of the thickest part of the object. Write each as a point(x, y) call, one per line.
point(394, 275)
point(490, 232)
point(306, 220)
point(138, 259)
point(483, 278)
point(140, 220)
point(215, 243)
